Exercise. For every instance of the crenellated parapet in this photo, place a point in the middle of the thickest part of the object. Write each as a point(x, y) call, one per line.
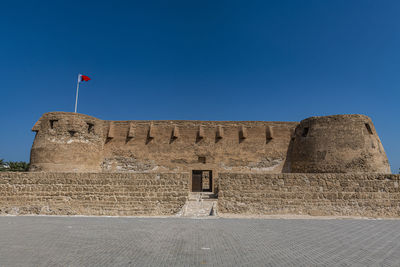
point(71, 142)
point(67, 142)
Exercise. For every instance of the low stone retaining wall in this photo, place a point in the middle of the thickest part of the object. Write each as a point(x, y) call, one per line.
point(93, 193)
point(372, 195)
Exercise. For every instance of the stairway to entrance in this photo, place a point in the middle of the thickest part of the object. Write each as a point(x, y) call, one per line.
point(200, 204)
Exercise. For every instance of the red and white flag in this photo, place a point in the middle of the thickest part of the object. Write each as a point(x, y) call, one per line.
point(83, 78)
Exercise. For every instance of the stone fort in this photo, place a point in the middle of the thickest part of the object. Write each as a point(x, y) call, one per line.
point(329, 165)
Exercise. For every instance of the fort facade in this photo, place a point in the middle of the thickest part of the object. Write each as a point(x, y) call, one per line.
point(70, 142)
point(81, 165)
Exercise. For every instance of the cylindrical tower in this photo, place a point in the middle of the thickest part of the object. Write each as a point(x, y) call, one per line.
point(67, 142)
point(338, 144)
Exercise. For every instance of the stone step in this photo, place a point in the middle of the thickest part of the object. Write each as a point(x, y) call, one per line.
point(199, 208)
point(202, 195)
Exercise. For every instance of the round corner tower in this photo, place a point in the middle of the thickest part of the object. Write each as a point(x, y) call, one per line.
point(67, 142)
point(338, 144)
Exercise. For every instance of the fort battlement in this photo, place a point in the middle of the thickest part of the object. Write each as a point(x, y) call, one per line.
point(70, 142)
point(331, 165)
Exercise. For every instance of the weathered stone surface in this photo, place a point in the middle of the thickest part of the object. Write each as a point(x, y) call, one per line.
point(93, 193)
point(157, 146)
point(70, 142)
point(375, 195)
point(338, 144)
point(65, 141)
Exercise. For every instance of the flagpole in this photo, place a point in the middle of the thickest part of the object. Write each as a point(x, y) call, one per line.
point(77, 92)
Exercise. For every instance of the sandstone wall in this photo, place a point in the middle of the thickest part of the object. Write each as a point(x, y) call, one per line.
point(376, 195)
point(93, 193)
point(199, 145)
point(67, 142)
point(70, 142)
point(338, 144)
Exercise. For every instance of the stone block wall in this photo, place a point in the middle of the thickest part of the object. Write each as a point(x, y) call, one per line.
point(71, 142)
point(124, 194)
point(93, 193)
point(338, 144)
point(375, 195)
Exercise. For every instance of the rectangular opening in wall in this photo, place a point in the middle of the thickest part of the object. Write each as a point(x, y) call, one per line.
point(90, 127)
point(368, 128)
point(202, 159)
point(202, 181)
point(305, 131)
point(206, 181)
point(52, 123)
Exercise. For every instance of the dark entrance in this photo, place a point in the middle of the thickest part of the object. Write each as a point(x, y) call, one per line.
point(201, 181)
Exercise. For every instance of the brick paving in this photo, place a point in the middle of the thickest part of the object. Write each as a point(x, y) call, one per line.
point(110, 241)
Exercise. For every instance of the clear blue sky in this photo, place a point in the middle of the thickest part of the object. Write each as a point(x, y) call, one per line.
point(205, 60)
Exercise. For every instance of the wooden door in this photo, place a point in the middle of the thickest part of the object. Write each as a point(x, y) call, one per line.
point(196, 181)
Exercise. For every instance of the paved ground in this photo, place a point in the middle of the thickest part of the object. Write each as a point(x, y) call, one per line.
point(95, 241)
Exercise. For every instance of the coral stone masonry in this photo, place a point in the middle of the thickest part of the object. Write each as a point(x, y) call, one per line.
point(330, 165)
point(70, 142)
